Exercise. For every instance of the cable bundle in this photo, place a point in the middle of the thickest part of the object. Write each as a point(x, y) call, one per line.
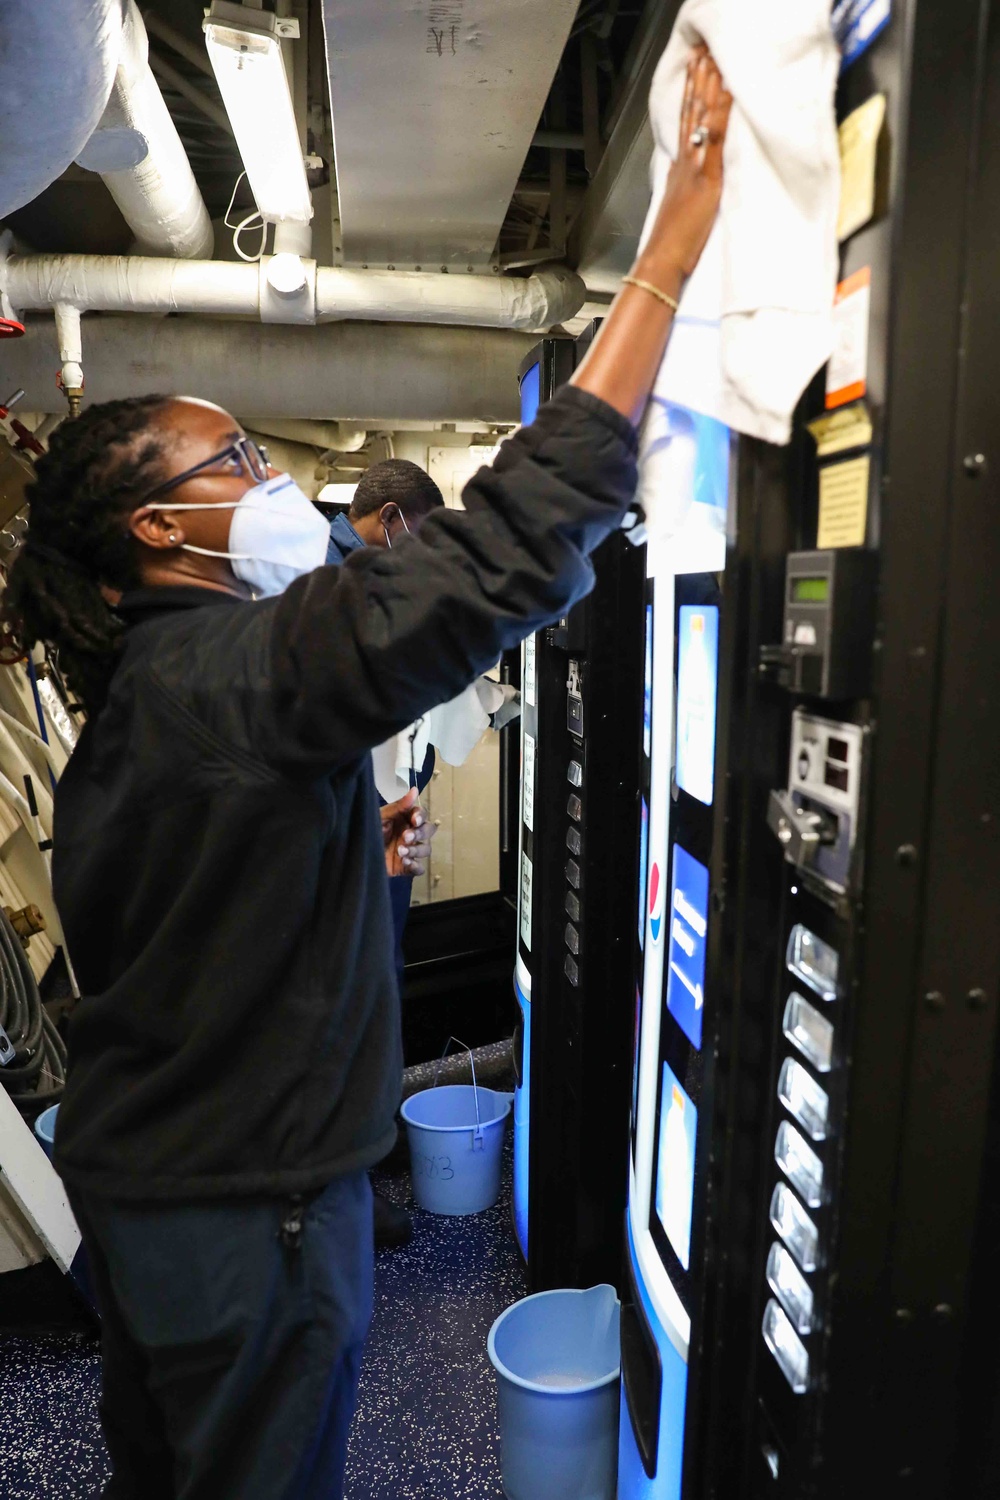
point(36, 1073)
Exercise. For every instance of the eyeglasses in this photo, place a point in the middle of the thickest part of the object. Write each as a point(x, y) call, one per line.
point(242, 456)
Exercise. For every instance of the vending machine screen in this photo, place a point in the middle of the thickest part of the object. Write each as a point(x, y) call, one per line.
point(675, 1166)
point(688, 931)
point(530, 393)
point(697, 683)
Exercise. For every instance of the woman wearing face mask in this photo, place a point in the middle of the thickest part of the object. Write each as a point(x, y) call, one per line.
point(235, 1059)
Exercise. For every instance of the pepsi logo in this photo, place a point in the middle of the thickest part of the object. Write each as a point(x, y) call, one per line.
point(655, 902)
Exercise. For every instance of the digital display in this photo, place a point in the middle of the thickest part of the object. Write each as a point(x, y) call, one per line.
point(643, 865)
point(810, 590)
point(697, 688)
point(530, 394)
point(675, 1165)
point(688, 931)
point(838, 749)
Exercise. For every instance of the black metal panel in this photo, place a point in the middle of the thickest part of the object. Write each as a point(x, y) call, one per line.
point(582, 966)
point(898, 1402)
point(748, 877)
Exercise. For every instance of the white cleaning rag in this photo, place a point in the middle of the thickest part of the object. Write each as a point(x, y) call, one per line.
point(755, 320)
point(454, 729)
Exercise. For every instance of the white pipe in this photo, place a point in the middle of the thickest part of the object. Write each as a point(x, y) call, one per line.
point(57, 64)
point(341, 437)
point(383, 372)
point(139, 154)
point(536, 302)
point(70, 348)
point(113, 283)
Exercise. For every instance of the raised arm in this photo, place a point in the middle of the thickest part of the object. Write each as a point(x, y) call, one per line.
point(356, 653)
point(623, 360)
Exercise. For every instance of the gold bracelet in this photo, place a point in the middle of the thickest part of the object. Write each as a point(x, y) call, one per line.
point(654, 291)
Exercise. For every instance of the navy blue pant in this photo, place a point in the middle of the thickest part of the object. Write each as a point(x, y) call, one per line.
point(231, 1342)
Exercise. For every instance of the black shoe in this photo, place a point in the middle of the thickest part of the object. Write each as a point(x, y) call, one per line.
point(393, 1226)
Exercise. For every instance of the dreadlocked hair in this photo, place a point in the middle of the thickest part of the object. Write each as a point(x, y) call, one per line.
point(97, 469)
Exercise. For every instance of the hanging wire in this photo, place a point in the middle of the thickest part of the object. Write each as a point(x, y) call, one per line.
point(245, 224)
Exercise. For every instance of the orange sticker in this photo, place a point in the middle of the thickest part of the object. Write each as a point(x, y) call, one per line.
point(847, 372)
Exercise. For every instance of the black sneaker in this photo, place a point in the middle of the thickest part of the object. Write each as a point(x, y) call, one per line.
point(393, 1225)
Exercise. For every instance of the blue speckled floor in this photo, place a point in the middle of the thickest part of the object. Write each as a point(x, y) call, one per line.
point(426, 1427)
point(426, 1421)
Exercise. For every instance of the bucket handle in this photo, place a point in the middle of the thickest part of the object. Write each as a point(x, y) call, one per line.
point(478, 1143)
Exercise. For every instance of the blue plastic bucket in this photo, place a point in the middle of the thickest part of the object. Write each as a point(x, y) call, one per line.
point(45, 1128)
point(557, 1359)
point(456, 1142)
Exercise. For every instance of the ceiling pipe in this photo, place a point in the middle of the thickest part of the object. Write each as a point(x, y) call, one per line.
point(112, 283)
point(340, 437)
point(57, 65)
point(139, 155)
point(380, 372)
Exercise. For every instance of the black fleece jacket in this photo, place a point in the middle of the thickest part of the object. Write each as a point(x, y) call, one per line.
point(218, 859)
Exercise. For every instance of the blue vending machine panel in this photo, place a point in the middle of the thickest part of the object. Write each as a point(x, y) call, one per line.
point(530, 393)
point(635, 1482)
point(523, 965)
point(688, 933)
point(666, 1219)
point(522, 1097)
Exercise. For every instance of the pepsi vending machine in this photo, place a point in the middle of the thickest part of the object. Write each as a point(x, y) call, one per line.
point(812, 1303)
point(581, 679)
point(675, 1013)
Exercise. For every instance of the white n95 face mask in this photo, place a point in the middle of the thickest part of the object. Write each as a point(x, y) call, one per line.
point(276, 534)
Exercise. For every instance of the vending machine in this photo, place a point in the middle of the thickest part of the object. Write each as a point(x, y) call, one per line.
point(811, 1305)
point(579, 817)
point(676, 1013)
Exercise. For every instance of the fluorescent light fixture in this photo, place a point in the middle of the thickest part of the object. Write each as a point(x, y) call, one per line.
point(245, 52)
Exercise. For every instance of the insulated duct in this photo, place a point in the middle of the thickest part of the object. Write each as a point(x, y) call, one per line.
point(385, 372)
point(57, 65)
point(339, 437)
point(138, 153)
point(115, 283)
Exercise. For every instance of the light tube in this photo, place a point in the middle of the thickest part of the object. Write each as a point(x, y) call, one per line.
point(250, 72)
